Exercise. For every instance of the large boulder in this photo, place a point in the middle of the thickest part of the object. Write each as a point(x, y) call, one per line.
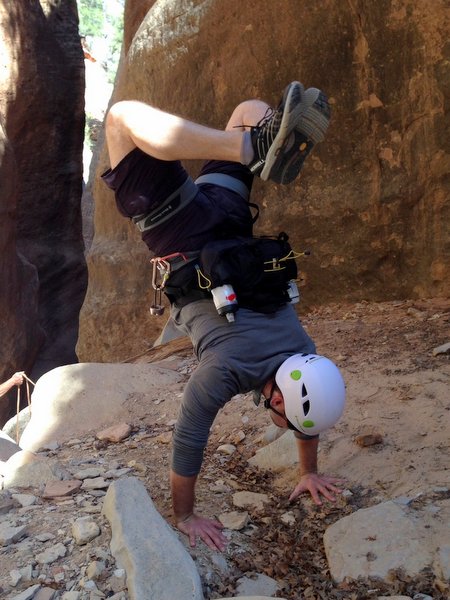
point(73, 400)
point(371, 201)
point(42, 113)
point(392, 536)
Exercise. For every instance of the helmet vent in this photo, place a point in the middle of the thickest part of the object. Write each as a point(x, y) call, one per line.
point(304, 391)
point(306, 407)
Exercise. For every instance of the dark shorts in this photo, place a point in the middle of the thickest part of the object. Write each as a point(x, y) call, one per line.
point(141, 183)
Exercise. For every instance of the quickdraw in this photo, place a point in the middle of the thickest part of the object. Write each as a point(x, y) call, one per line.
point(160, 275)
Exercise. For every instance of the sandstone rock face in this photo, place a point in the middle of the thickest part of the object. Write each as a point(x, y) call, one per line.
point(371, 202)
point(20, 331)
point(41, 104)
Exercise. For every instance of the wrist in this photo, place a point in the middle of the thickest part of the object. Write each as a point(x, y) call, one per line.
point(184, 518)
point(309, 472)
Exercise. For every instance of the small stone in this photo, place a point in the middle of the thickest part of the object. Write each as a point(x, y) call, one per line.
point(45, 594)
point(7, 504)
point(89, 585)
point(71, 596)
point(226, 449)
point(98, 483)
point(27, 573)
point(10, 535)
point(25, 499)
point(89, 473)
point(54, 489)
point(250, 500)
point(164, 438)
point(116, 433)
point(74, 442)
point(234, 520)
point(95, 569)
point(15, 576)
point(116, 473)
point(84, 530)
point(369, 439)
point(119, 572)
point(288, 518)
point(28, 594)
point(237, 437)
point(393, 597)
point(444, 349)
point(50, 555)
point(45, 537)
point(137, 466)
point(219, 487)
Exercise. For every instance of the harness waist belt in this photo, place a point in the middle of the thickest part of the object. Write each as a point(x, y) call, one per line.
point(165, 211)
point(225, 181)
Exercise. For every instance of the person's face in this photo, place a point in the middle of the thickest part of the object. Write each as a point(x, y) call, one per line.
point(276, 402)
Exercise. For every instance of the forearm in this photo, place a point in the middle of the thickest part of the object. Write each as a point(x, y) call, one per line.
point(183, 495)
point(5, 387)
point(307, 453)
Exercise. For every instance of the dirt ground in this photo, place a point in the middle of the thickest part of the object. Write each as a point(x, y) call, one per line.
point(397, 389)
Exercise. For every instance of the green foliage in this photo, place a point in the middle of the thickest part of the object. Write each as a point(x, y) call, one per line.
point(102, 20)
point(92, 17)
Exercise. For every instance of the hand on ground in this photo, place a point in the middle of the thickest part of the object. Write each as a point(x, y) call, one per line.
point(208, 530)
point(318, 486)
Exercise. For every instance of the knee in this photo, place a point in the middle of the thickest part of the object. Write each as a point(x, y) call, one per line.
point(117, 114)
point(249, 113)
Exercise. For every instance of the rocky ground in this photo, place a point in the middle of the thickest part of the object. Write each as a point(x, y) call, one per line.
point(398, 393)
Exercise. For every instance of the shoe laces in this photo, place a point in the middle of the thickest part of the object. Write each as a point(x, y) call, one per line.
point(264, 119)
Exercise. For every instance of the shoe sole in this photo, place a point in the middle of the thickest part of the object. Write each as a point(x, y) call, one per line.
point(313, 116)
point(289, 120)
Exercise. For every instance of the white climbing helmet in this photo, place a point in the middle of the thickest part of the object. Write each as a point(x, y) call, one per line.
point(313, 390)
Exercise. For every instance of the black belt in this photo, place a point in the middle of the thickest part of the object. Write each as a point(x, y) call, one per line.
point(191, 296)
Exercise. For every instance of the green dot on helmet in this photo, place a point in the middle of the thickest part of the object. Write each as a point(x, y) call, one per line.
point(308, 423)
point(296, 375)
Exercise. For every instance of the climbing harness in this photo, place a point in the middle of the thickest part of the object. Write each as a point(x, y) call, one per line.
point(162, 268)
point(255, 273)
point(165, 211)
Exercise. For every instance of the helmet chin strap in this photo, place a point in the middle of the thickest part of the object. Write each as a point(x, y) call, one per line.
point(289, 424)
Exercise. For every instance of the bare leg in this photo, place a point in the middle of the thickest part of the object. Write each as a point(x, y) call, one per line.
point(132, 124)
point(275, 149)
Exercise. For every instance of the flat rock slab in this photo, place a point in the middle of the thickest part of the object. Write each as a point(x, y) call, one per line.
point(251, 500)
point(156, 563)
point(278, 455)
point(8, 446)
point(28, 470)
point(392, 535)
point(54, 489)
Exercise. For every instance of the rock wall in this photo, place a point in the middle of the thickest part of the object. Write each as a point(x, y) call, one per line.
point(42, 114)
point(371, 203)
